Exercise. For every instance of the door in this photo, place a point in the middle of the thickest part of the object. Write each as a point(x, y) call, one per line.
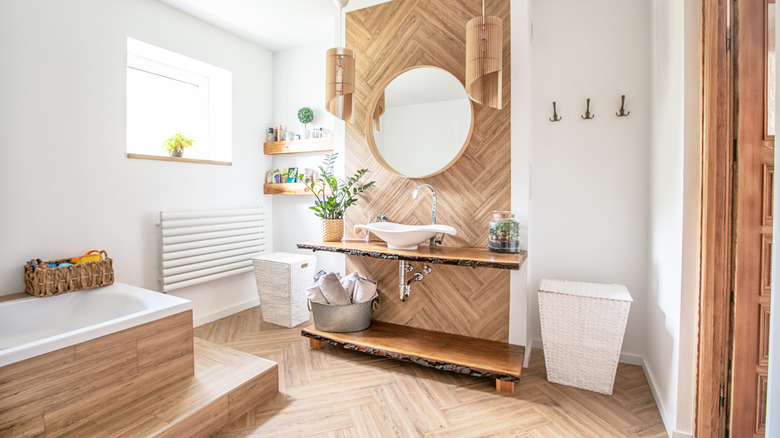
point(753, 180)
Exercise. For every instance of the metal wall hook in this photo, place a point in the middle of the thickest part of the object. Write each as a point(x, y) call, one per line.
point(623, 111)
point(588, 115)
point(555, 117)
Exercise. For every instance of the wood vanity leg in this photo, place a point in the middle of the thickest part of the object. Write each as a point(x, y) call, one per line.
point(315, 344)
point(504, 386)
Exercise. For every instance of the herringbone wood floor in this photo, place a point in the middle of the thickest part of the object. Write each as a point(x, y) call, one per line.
point(339, 393)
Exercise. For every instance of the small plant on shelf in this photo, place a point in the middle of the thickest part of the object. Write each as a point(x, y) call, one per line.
point(176, 144)
point(305, 116)
point(332, 197)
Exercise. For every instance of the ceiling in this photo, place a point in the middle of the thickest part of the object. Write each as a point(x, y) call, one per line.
point(273, 24)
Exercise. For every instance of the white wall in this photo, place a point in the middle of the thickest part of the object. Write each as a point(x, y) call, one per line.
point(521, 161)
point(299, 80)
point(674, 212)
point(66, 185)
point(589, 191)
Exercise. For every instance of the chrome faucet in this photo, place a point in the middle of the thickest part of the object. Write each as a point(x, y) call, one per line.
point(376, 218)
point(434, 240)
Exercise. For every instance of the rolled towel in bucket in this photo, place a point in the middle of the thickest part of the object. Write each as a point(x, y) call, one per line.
point(314, 294)
point(332, 290)
point(348, 282)
point(365, 290)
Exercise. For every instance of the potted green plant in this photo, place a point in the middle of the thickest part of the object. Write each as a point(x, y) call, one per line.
point(305, 116)
point(176, 144)
point(332, 197)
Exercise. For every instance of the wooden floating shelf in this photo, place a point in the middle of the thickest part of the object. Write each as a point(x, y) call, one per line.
point(442, 351)
point(324, 144)
point(288, 189)
point(446, 255)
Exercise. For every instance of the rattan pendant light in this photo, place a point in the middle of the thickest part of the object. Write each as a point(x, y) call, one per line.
point(484, 59)
point(340, 75)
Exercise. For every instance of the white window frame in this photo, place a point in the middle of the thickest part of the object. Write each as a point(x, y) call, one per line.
point(214, 91)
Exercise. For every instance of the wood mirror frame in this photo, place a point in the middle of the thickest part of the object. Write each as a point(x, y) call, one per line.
point(379, 96)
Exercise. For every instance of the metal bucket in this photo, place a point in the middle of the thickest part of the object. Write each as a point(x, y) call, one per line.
point(341, 318)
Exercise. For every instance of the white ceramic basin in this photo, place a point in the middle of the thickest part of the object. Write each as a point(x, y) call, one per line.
point(400, 236)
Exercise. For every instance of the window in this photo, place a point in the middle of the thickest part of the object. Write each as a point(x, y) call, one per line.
point(168, 93)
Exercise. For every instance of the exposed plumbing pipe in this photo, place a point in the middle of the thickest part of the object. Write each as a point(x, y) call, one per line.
point(405, 287)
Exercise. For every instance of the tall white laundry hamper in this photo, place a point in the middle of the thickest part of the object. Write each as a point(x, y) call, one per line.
point(582, 331)
point(282, 279)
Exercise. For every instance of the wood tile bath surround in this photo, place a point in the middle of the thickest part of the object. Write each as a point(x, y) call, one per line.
point(55, 392)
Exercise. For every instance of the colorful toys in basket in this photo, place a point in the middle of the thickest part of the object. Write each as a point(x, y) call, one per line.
point(92, 256)
point(93, 269)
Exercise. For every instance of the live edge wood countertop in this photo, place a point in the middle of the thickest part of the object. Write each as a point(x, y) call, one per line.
point(446, 255)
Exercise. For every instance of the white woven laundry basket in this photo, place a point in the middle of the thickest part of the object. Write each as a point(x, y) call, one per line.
point(582, 331)
point(282, 279)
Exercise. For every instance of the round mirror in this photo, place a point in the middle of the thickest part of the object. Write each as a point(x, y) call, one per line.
point(420, 123)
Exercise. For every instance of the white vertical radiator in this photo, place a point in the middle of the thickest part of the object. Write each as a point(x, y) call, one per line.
point(200, 246)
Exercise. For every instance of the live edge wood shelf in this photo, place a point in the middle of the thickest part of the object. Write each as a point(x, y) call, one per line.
point(446, 255)
point(443, 351)
point(324, 144)
point(477, 357)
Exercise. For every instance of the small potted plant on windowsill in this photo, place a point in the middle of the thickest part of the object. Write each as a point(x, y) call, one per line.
point(176, 144)
point(333, 196)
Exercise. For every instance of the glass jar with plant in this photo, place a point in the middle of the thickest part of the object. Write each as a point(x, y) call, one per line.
point(176, 144)
point(504, 236)
point(332, 197)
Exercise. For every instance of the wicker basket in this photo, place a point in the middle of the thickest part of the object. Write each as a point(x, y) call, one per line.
point(47, 282)
point(582, 332)
point(332, 230)
point(281, 284)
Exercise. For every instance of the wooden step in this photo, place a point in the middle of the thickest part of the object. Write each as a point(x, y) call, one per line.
point(227, 383)
point(443, 351)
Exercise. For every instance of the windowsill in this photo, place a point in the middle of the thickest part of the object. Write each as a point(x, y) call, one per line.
point(177, 159)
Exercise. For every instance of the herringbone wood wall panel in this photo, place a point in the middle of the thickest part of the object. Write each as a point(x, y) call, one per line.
point(388, 38)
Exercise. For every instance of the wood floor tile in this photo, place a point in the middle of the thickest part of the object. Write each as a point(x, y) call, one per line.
point(340, 393)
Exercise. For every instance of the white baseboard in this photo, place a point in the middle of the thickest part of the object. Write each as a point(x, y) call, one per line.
point(632, 359)
point(205, 319)
point(668, 423)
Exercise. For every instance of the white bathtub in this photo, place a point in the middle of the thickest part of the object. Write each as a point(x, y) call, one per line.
point(33, 326)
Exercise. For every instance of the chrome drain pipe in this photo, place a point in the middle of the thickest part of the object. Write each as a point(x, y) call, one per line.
point(404, 286)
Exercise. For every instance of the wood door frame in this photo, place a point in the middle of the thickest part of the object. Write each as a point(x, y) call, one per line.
point(719, 94)
point(714, 304)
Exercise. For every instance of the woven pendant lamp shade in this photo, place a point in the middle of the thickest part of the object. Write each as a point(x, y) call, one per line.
point(484, 60)
point(339, 82)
